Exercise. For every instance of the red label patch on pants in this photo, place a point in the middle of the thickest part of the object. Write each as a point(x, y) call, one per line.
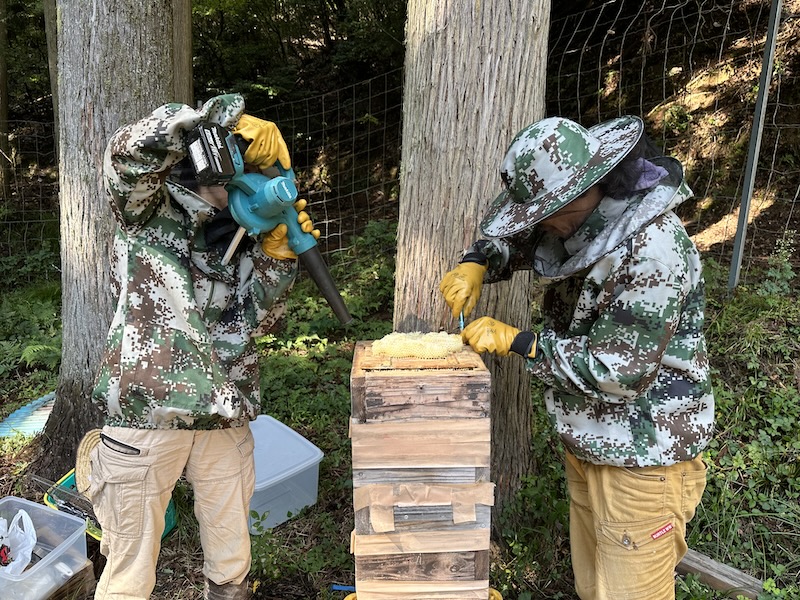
point(662, 531)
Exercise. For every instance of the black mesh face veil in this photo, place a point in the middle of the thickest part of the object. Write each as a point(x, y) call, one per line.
point(621, 181)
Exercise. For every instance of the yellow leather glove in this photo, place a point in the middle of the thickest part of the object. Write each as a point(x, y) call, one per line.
point(266, 143)
point(276, 242)
point(461, 287)
point(489, 335)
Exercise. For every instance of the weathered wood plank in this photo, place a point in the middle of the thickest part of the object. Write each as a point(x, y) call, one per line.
point(419, 428)
point(422, 590)
point(417, 397)
point(719, 576)
point(425, 518)
point(432, 475)
point(428, 443)
point(442, 566)
point(384, 388)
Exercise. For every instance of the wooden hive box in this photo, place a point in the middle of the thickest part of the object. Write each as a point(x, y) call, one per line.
point(421, 439)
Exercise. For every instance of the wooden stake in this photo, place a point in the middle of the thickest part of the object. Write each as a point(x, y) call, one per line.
point(720, 577)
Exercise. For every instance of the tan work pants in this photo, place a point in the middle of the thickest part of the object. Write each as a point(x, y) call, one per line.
point(131, 486)
point(628, 527)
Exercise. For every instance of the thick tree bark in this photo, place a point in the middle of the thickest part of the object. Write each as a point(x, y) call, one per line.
point(474, 76)
point(51, 33)
point(116, 64)
point(5, 150)
point(183, 86)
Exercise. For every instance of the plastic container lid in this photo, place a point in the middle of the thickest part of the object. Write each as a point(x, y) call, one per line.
point(280, 452)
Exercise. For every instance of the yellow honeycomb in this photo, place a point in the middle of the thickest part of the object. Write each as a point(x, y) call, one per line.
point(417, 345)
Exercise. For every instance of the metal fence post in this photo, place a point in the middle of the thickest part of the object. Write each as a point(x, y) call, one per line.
point(755, 143)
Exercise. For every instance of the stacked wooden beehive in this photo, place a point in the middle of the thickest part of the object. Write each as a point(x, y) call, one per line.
point(420, 432)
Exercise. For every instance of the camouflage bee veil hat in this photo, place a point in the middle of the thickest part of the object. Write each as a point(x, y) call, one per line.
point(552, 162)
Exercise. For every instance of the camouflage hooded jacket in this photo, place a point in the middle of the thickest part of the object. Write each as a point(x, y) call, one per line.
point(622, 347)
point(180, 352)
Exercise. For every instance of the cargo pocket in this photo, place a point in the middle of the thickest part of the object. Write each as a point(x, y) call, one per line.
point(119, 490)
point(246, 448)
point(693, 485)
point(637, 558)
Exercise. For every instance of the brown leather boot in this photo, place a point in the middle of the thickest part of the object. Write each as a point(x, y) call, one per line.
point(226, 591)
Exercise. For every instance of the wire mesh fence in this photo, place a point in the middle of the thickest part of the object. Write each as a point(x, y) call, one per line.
point(345, 148)
point(690, 68)
point(29, 187)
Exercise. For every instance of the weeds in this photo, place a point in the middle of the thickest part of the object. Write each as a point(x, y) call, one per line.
point(30, 343)
point(751, 502)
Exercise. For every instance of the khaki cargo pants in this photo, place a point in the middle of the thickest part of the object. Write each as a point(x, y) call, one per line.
point(628, 527)
point(131, 485)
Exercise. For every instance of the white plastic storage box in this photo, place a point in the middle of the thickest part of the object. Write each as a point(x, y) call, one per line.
point(60, 551)
point(287, 473)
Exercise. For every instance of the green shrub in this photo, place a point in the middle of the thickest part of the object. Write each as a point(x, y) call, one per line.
point(535, 525)
point(750, 515)
point(30, 269)
point(30, 343)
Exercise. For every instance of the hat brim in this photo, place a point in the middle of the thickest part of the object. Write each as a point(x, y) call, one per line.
point(83, 465)
point(617, 137)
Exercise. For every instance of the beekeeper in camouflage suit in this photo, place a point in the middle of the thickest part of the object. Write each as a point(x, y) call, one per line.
point(179, 378)
point(621, 348)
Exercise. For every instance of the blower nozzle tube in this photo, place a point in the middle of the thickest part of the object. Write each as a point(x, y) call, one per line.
point(313, 263)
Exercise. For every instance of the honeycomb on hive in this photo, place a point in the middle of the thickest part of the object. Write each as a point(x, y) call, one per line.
point(417, 345)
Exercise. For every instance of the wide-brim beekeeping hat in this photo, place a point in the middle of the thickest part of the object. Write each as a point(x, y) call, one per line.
point(83, 465)
point(552, 162)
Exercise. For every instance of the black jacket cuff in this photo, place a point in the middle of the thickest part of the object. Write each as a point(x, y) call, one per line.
point(475, 257)
point(524, 344)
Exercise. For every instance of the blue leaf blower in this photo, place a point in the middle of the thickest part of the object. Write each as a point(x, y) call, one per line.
point(259, 203)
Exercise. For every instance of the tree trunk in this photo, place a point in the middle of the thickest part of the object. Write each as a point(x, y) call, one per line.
point(5, 147)
point(51, 33)
point(116, 64)
point(474, 76)
point(183, 86)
